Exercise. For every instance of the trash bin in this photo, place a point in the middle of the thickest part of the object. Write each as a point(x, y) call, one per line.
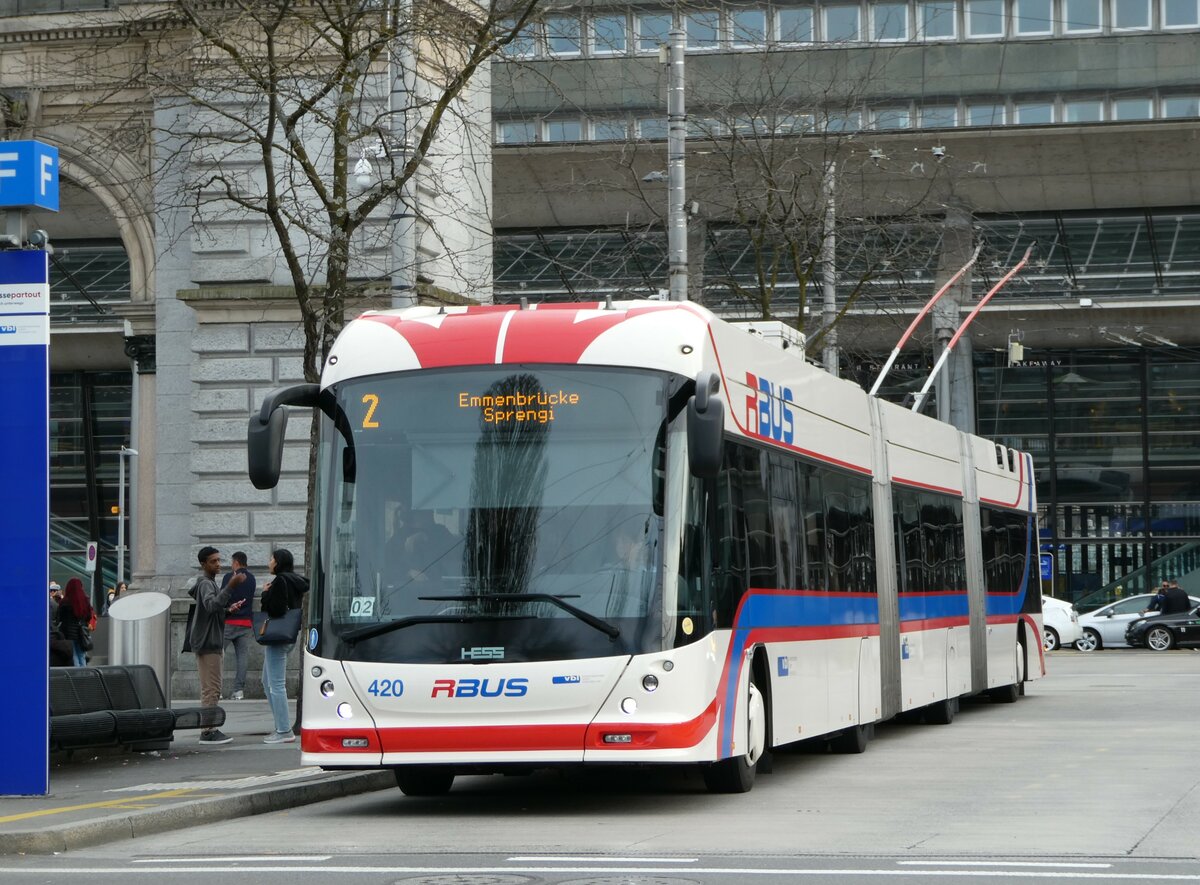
point(140, 626)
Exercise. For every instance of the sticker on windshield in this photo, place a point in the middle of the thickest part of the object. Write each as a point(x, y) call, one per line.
point(362, 607)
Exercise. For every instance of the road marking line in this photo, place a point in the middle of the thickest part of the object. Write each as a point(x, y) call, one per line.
point(209, 870)
point(248, 859)
point(602, 859)
point(111, 803)
point(1003, 863)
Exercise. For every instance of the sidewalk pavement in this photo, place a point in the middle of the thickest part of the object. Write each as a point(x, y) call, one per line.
point(97, 797)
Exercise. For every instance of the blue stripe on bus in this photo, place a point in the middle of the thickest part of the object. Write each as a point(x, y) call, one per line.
point(783, 609)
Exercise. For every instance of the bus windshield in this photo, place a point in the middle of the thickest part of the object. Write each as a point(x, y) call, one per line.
point(491, 514)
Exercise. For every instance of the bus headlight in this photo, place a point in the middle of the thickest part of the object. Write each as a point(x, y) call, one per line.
point(345, 711)
point(327, 688)
point(649, 682)
point(629, 705)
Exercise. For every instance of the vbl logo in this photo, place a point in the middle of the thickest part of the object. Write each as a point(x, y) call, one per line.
point(769, 410)
point(480, 688)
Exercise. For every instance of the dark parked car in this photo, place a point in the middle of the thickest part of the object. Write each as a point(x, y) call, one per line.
point(1163, 632)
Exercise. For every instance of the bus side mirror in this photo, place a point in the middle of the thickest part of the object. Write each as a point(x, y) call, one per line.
point(264, 436)
point(706, 427)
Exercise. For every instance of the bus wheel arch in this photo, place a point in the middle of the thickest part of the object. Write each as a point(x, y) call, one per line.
point(737, 773)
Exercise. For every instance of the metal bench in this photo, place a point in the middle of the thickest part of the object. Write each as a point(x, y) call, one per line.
point(117, 706)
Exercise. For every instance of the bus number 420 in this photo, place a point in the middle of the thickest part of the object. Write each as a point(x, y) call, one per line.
point(386, 688)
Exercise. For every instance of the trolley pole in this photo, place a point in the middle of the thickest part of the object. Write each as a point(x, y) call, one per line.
point(676, 142)
point(829, 355)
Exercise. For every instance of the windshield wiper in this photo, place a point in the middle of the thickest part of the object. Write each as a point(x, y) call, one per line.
point(610, 630)
point(400, 623)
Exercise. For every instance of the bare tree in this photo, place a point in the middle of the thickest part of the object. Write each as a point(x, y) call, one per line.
point(318, 119)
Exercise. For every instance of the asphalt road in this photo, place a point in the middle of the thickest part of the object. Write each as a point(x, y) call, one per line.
point(1092, 776)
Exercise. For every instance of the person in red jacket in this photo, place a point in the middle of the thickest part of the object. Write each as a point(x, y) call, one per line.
point(74, 615)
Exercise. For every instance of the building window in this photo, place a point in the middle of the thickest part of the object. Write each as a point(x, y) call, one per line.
point(524, 44)
point(938, 116)
point(1132, 109)
point(1032, 17)
point(607, 34)
point(985, 114)
point(1033, 113)
point(703, 30)
point(843, 121)
point(515, 132)
point(937, 19)
point(841, 24)
point(892, 118)
point(1083, 112)
point(564, 35)
point(985, 18)
point(748, 27)
point(610, 130)
point(652, 128)
point(1180, 14)
point(562, 130)
point(794, 25)
point(889, 21)
point(794, 124)
point(1081, 16)
point(703, 127)
point(1177, 106)
point(652, 30)
point(1130, 15)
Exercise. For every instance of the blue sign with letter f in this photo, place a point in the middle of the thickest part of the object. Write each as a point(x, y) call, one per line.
point(28, 175)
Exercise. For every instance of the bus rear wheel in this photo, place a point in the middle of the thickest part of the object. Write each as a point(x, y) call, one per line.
point(736, 774)
point(424, 780)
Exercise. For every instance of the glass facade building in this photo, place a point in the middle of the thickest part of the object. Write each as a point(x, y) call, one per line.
point(90, 419)
point(1116, 440)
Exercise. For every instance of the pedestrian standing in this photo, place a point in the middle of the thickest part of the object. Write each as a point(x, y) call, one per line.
point(74, 615)
point(208, 633)
point(284, 593)
point(116, 593)
point(238, 632)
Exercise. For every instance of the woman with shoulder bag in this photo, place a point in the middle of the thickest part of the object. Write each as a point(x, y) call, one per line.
point(74, 615)
point(284, 593)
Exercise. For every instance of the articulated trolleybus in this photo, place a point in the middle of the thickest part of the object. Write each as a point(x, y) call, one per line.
point(634, 533)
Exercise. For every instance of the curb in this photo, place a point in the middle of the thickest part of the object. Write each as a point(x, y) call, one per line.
point(81, 834)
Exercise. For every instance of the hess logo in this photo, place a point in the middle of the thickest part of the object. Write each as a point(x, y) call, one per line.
point(480, 688)
point(769, 410)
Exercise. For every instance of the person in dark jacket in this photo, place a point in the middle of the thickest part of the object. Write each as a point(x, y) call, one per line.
point(238, 631)
point(1176, 600)
point(74, 615)
point(284, 593)
point(208, 632)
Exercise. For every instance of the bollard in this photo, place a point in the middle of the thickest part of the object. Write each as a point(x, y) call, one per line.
point(140, 624)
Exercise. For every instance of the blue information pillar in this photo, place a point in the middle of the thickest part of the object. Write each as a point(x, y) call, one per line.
point(28, 177)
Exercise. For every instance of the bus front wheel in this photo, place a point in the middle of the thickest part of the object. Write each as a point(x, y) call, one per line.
point(424, 780)
point(736, 774)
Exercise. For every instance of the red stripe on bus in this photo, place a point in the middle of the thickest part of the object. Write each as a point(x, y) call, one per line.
point(643, 736)
point(482, 738)
point(1003, 619)
point(1020, 488)
point(918, 624)
point(925, 485)
point(330, 740)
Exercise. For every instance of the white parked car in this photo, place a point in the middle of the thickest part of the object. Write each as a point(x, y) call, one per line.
point(1105, 627)
point(1060, 624)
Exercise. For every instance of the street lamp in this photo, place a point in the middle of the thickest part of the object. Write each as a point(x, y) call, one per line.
point(124, 453)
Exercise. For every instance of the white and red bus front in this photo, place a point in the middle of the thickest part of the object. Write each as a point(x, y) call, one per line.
point(497, 574)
